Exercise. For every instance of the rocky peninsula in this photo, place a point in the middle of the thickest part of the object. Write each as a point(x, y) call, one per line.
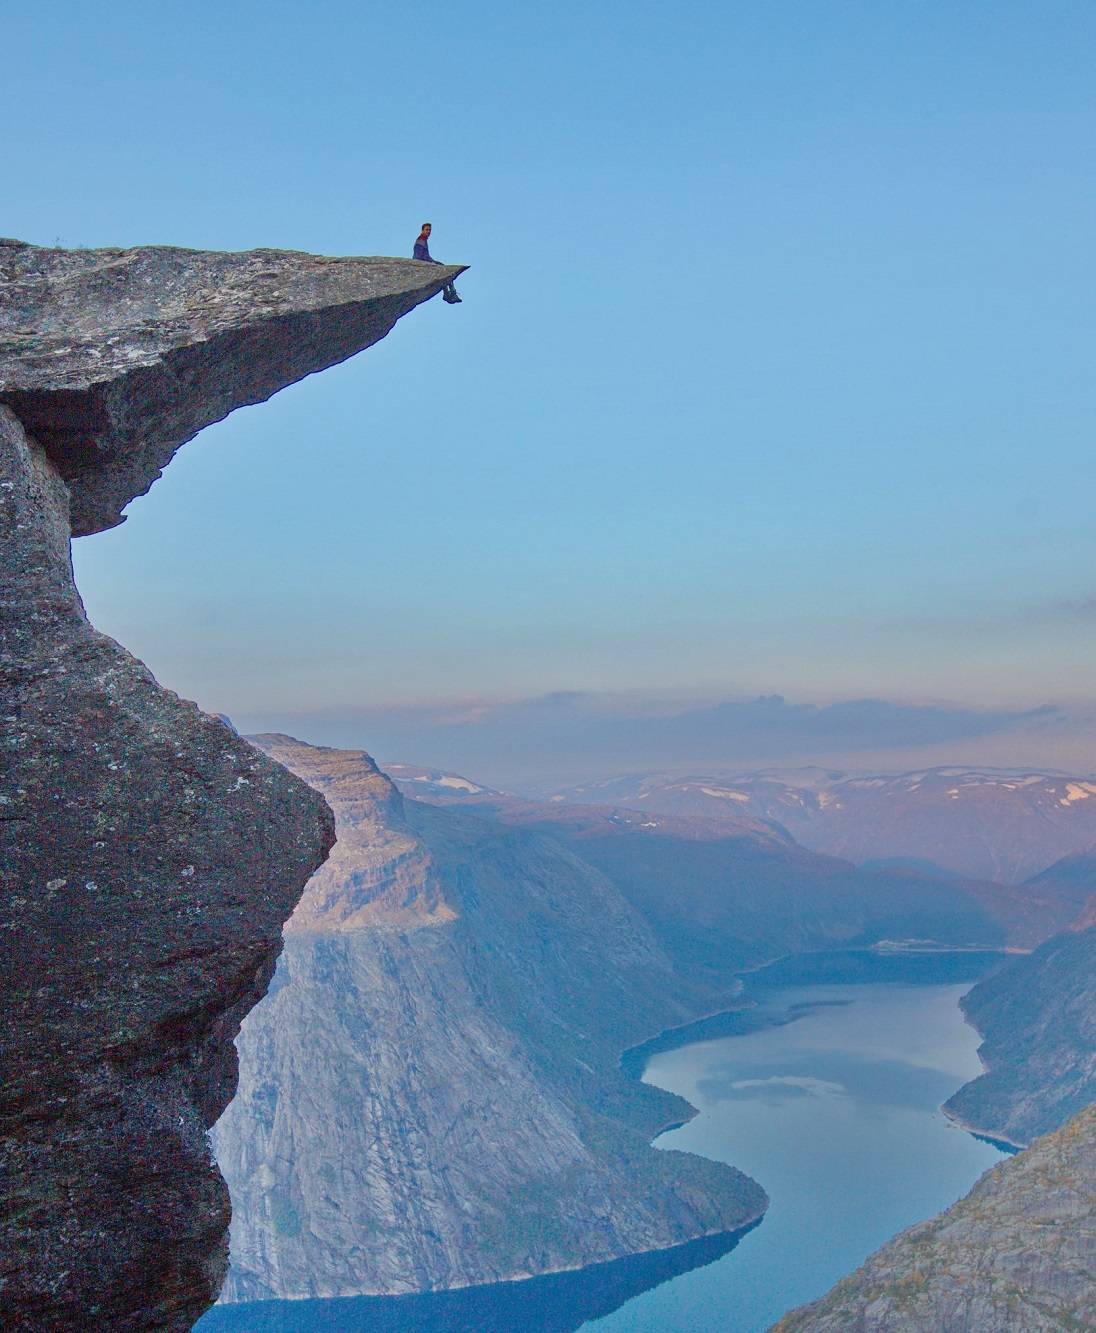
point(150, 856)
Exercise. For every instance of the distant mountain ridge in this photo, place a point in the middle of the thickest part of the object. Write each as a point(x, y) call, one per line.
point(646, 850)
point(984, 823)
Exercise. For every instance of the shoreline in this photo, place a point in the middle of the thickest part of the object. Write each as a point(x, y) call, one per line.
point(1001, 1141)
point(754, 1013)
point(734, 1235)
point(996, 1138)
point(749, 1015)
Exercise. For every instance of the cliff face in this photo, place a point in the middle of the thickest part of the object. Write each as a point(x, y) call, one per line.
point(1015, 1254)
point(431, 1096)
point(1038, 1020)
point(150, 856)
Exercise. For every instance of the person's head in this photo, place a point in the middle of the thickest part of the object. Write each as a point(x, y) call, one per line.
point(426, 229)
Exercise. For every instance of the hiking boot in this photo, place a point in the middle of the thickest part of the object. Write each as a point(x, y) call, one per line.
point(451, 298)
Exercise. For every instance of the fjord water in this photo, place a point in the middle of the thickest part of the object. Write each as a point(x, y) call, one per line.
point(837, 1114)
point(833, 1107)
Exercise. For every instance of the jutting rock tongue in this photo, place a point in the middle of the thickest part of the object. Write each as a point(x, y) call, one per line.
point(149, 856)
point(114, 358)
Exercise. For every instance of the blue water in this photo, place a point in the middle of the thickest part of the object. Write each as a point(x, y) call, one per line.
point(835, 1113)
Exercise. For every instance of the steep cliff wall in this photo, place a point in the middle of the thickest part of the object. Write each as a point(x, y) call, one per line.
point(431, 1096)
point(149, 856)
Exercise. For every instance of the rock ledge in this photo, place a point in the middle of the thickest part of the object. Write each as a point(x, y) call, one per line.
point(112, 359)
point(149, 855)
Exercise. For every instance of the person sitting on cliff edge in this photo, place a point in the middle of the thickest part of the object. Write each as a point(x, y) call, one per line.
point(422, 251)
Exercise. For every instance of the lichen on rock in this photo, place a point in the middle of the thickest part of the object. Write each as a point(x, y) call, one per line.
point(149, 855)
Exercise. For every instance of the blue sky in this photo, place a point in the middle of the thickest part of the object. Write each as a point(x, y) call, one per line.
point(774, 371)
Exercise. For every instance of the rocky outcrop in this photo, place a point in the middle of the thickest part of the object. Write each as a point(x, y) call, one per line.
point(150, 856)
point(1015, 1254)
point(114, 358)
point(431, 1094)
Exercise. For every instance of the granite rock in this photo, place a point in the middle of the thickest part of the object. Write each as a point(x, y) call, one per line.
point(112, 359)
point(149, 855)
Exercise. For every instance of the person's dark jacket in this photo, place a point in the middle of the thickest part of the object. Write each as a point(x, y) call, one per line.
point(422, 251)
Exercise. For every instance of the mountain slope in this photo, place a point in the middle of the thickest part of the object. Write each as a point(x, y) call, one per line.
point(1038, 1017)
point(1073, 878)
point(1015, 1254)
point(1038, 1020)
point(728, 894)
point(431, 1095)
point(985, 824)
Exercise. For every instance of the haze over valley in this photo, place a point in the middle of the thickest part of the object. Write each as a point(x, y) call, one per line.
point(573, 737)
